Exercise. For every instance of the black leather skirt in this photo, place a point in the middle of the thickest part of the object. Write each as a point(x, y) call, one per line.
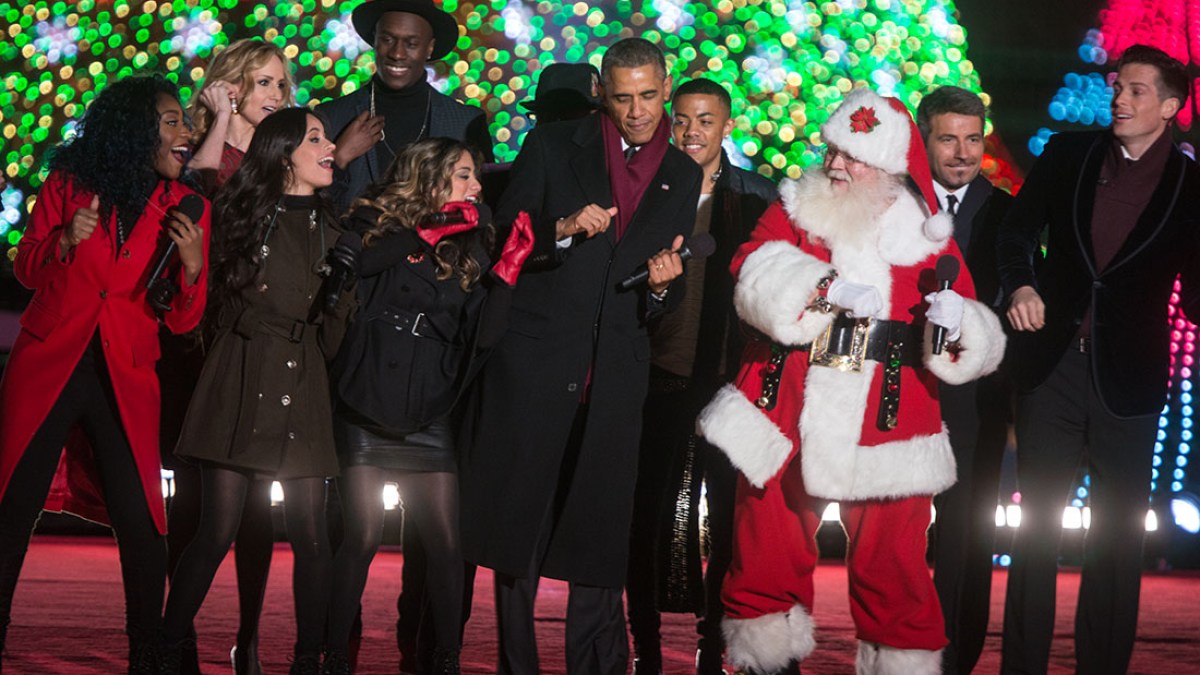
point(360, 441)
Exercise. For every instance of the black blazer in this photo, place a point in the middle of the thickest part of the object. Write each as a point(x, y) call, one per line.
point(975, 228)
point(571, 329)
point(1130, 330)
point(447, 118)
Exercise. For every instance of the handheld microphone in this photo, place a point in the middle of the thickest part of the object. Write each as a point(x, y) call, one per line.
point(699, 247)
point(459, 216)
point(341, 259)
point(947, 272)
point(160, 290)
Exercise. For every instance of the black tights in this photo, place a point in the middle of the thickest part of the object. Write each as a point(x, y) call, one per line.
point(252, 550)
point(224, 495)
point(87, 401)
point(431, 505)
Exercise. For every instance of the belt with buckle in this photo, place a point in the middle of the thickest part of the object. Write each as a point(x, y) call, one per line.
point(846, 345)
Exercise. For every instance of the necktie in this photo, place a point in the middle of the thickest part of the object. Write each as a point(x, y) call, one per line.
point(952, 204)
point(630, 152)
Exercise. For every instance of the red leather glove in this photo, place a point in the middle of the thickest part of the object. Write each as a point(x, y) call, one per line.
point(516, 249)
point(463, 216)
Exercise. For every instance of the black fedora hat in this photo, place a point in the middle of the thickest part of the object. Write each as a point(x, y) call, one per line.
point(565, 84)
point(445, 26)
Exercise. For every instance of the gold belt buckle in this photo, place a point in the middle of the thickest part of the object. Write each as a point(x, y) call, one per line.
point(819, 354)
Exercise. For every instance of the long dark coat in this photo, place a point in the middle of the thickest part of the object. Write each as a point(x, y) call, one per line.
point(569, 323)
point(262, 402)
point(1130, 329)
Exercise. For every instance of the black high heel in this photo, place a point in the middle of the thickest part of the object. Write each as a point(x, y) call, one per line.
point(245, 661)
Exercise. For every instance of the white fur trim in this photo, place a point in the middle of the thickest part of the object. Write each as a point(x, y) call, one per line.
point(939, 227)
point(877, 659)
point(982, 345)
point(769, 643)
point(773, 289)
point(904, 237)
point(885, 146)
point(837, 466)
point(754, 445)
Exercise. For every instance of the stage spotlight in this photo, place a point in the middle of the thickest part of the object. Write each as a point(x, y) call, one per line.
point(1185, 509)
point(391, 496)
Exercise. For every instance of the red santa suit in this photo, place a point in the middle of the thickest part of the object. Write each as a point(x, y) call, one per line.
point(821, 437)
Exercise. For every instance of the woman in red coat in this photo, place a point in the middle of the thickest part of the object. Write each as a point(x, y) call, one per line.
point(84, 359)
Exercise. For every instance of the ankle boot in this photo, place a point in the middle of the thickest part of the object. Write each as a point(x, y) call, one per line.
point(171, 654)
point(445, 661)
point(306, 664)
point(337, 662)
point(143, 657)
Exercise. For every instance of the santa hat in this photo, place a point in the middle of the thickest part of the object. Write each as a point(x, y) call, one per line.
point(880, 131)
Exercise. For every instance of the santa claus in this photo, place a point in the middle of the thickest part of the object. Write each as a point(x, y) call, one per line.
point(836, 399)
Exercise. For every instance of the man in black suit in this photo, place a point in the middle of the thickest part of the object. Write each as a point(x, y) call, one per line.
point(951, 120)
point(398, 106)
point(694, 350)
point(1091, 353)
point(550, 457)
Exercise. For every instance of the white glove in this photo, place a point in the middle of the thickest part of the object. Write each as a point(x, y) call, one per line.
point(860, 300)
point(946, 310)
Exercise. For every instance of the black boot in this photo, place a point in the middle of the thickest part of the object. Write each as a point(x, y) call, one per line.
point(171, 654)
point(710, 660)
point(306, 664)
point(143, 657)
point(445, 661)
point(337, 662)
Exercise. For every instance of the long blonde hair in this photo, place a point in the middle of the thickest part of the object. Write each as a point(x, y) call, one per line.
point(236, 65)
point(416, 185)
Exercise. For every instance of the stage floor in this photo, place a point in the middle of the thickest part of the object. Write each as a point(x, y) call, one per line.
point(67, 618)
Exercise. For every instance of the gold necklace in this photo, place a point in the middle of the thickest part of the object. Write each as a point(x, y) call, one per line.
point(424, 120)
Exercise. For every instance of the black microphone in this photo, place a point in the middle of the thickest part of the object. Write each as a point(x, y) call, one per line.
point(947, 271)
point(160, 290)
point(342, 260)
point(458, 216)
point(699, 247)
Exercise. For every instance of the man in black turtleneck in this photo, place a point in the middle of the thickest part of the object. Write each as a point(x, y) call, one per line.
point(398, 106)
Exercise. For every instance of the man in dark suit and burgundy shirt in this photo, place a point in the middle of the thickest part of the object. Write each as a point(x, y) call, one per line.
point(1091, 353)
point(951, 120)
point(549, 459)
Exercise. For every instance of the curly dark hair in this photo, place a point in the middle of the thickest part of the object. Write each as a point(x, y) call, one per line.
point(246, 204)
point(112, 153)
point(414, 187)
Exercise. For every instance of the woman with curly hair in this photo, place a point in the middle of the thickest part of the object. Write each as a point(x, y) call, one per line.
point(244, 83)
point(261, 410)
point(437, 284)
point(89, 340)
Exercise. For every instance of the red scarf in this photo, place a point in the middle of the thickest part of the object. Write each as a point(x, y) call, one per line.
point(629, 180)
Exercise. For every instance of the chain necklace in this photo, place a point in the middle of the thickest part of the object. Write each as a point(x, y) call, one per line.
point(424, 120)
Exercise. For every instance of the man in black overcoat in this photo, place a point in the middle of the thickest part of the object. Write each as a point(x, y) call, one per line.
point(977, 414)
point(550, 460)
point(398, 106)
point(1091, 353)
point(694, 350)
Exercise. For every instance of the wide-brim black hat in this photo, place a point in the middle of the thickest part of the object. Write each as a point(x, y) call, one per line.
point(565, 84)
point(445, 26)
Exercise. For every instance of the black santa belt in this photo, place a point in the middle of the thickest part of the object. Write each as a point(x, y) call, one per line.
point(846, 345)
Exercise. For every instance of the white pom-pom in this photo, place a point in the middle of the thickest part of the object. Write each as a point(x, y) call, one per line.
point(939, 227)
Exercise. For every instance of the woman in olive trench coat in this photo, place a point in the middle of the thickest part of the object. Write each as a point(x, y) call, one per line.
point(261, 409)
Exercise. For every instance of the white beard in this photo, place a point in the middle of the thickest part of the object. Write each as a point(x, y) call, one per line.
point(850, 216)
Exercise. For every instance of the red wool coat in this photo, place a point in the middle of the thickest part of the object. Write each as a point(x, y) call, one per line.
point(95, 288)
